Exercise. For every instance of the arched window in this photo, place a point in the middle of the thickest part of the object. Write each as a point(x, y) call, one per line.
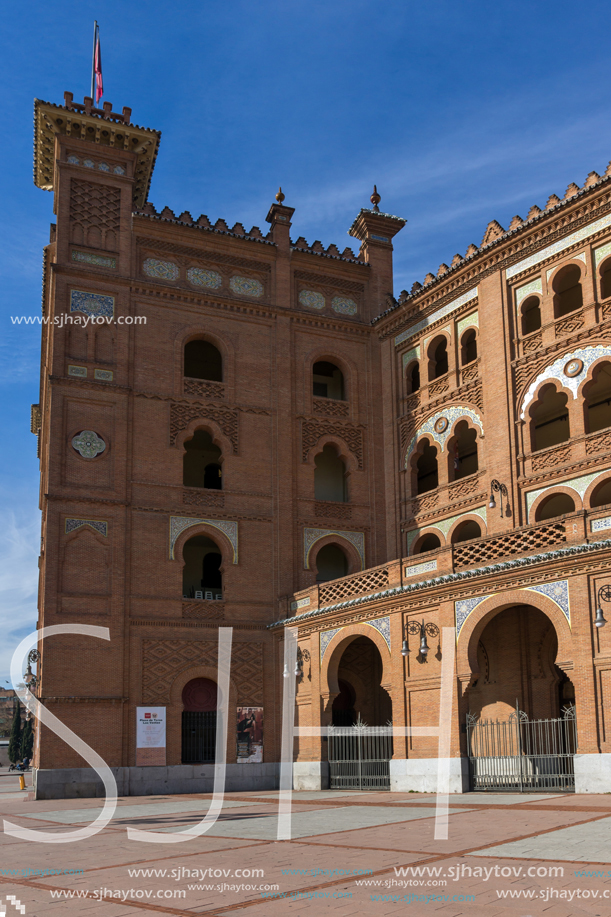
point(598, 399)
point(601, 495)
point(430, 542)
point(203, 361)
point(438, 358)
point(466, 531)
point(605, 279)
point(201, 573)
point(327, 381)
point(330, 476)
point(567, 290)
point(468, 347)
point(531, 315)
point(427, 472)
point(412, 378)
point(331, 563)
point(550, 420)
point(463, 456)
point(555, 505)
point(201, 462)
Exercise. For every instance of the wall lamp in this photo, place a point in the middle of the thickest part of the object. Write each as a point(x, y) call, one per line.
point(422, 630)
point(603, 595)
point(301, 656)
point(496, 486)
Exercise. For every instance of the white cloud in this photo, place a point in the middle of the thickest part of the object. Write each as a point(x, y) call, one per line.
point(19, 541)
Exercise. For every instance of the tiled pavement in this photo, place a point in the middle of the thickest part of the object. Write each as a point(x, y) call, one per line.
point(339, 840)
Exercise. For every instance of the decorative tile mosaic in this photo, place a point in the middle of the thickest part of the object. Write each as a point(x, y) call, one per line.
point(559, 246)
point(463, 609)
point(469, 321)
point(383, 626)
point(413, 354)
point(379, 238)
point(74, 160)
point(200, 277)
point(89, 163)
point(601, 253)
point(343, 305)
point(558, 593)
point(103, 167)
point(430, 319)
point(80, 371)
point(119, 170)
point(588, 355)
point(246, 286)
point(300, 603)
point(419, 569)
point(535, 286)
point(311, 536)
point(178, 524)
point(451, 414)
point(325, 639)
point(92, 303)
point(311, 299)
point(580, 485)
point(162, 270)
point(580, 257)
point(98, 260)
point(72, 524)
point(88, 444)
point(601, 525)
point(103, 375)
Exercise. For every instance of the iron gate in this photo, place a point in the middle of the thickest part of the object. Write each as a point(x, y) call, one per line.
point(359, 757)
point(198, 737)
point(522, 755)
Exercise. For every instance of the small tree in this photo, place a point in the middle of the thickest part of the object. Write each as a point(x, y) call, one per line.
point(14, 742)
point(27, 740)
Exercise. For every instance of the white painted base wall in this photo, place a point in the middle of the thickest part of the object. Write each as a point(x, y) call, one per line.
point(311, 775)
point(593, 773)
point(420, 775)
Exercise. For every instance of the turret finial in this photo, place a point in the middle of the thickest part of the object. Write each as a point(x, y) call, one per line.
point(375, 199)
point(279, 195)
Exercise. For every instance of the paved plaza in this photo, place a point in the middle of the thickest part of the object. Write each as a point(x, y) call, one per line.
point(350, 854)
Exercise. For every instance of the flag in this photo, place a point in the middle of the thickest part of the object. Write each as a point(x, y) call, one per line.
point(97, 67)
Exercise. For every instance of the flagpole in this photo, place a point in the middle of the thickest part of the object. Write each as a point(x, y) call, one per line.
point(95, 31)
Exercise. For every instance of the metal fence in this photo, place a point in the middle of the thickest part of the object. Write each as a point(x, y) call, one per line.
point(522, 755)
point(198, 737)
point(359, 757)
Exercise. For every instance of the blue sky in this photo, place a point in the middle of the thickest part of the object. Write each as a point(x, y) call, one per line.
point(461, 112)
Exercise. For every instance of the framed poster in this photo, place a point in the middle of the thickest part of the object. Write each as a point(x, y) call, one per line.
point(150, 736)
point(249, 729)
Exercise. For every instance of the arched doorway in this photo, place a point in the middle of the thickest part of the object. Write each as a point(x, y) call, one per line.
point(521, 723)
point(360, 744)
point(199, 701)
point(359, 677)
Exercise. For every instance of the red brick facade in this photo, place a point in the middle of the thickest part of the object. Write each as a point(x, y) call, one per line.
point(510, 341)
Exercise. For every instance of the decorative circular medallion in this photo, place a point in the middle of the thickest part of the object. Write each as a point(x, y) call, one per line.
point(573, 368)
point(88, 444)
point(441, 425)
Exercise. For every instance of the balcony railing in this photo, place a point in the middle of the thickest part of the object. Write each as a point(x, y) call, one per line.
point(575, 528)
point(203, 388)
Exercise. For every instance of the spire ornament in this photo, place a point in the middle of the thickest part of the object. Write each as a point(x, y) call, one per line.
point(375, 199)
point(279, 195)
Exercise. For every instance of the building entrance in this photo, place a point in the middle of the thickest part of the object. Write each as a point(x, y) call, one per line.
point(360, 740)
point(199, 698)
point(521, 727)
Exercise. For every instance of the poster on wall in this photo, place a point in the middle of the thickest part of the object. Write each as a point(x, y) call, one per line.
point(150, 736)
point(249, 735)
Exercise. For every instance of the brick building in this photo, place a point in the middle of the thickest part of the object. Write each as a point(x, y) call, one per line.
point(251, 432)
